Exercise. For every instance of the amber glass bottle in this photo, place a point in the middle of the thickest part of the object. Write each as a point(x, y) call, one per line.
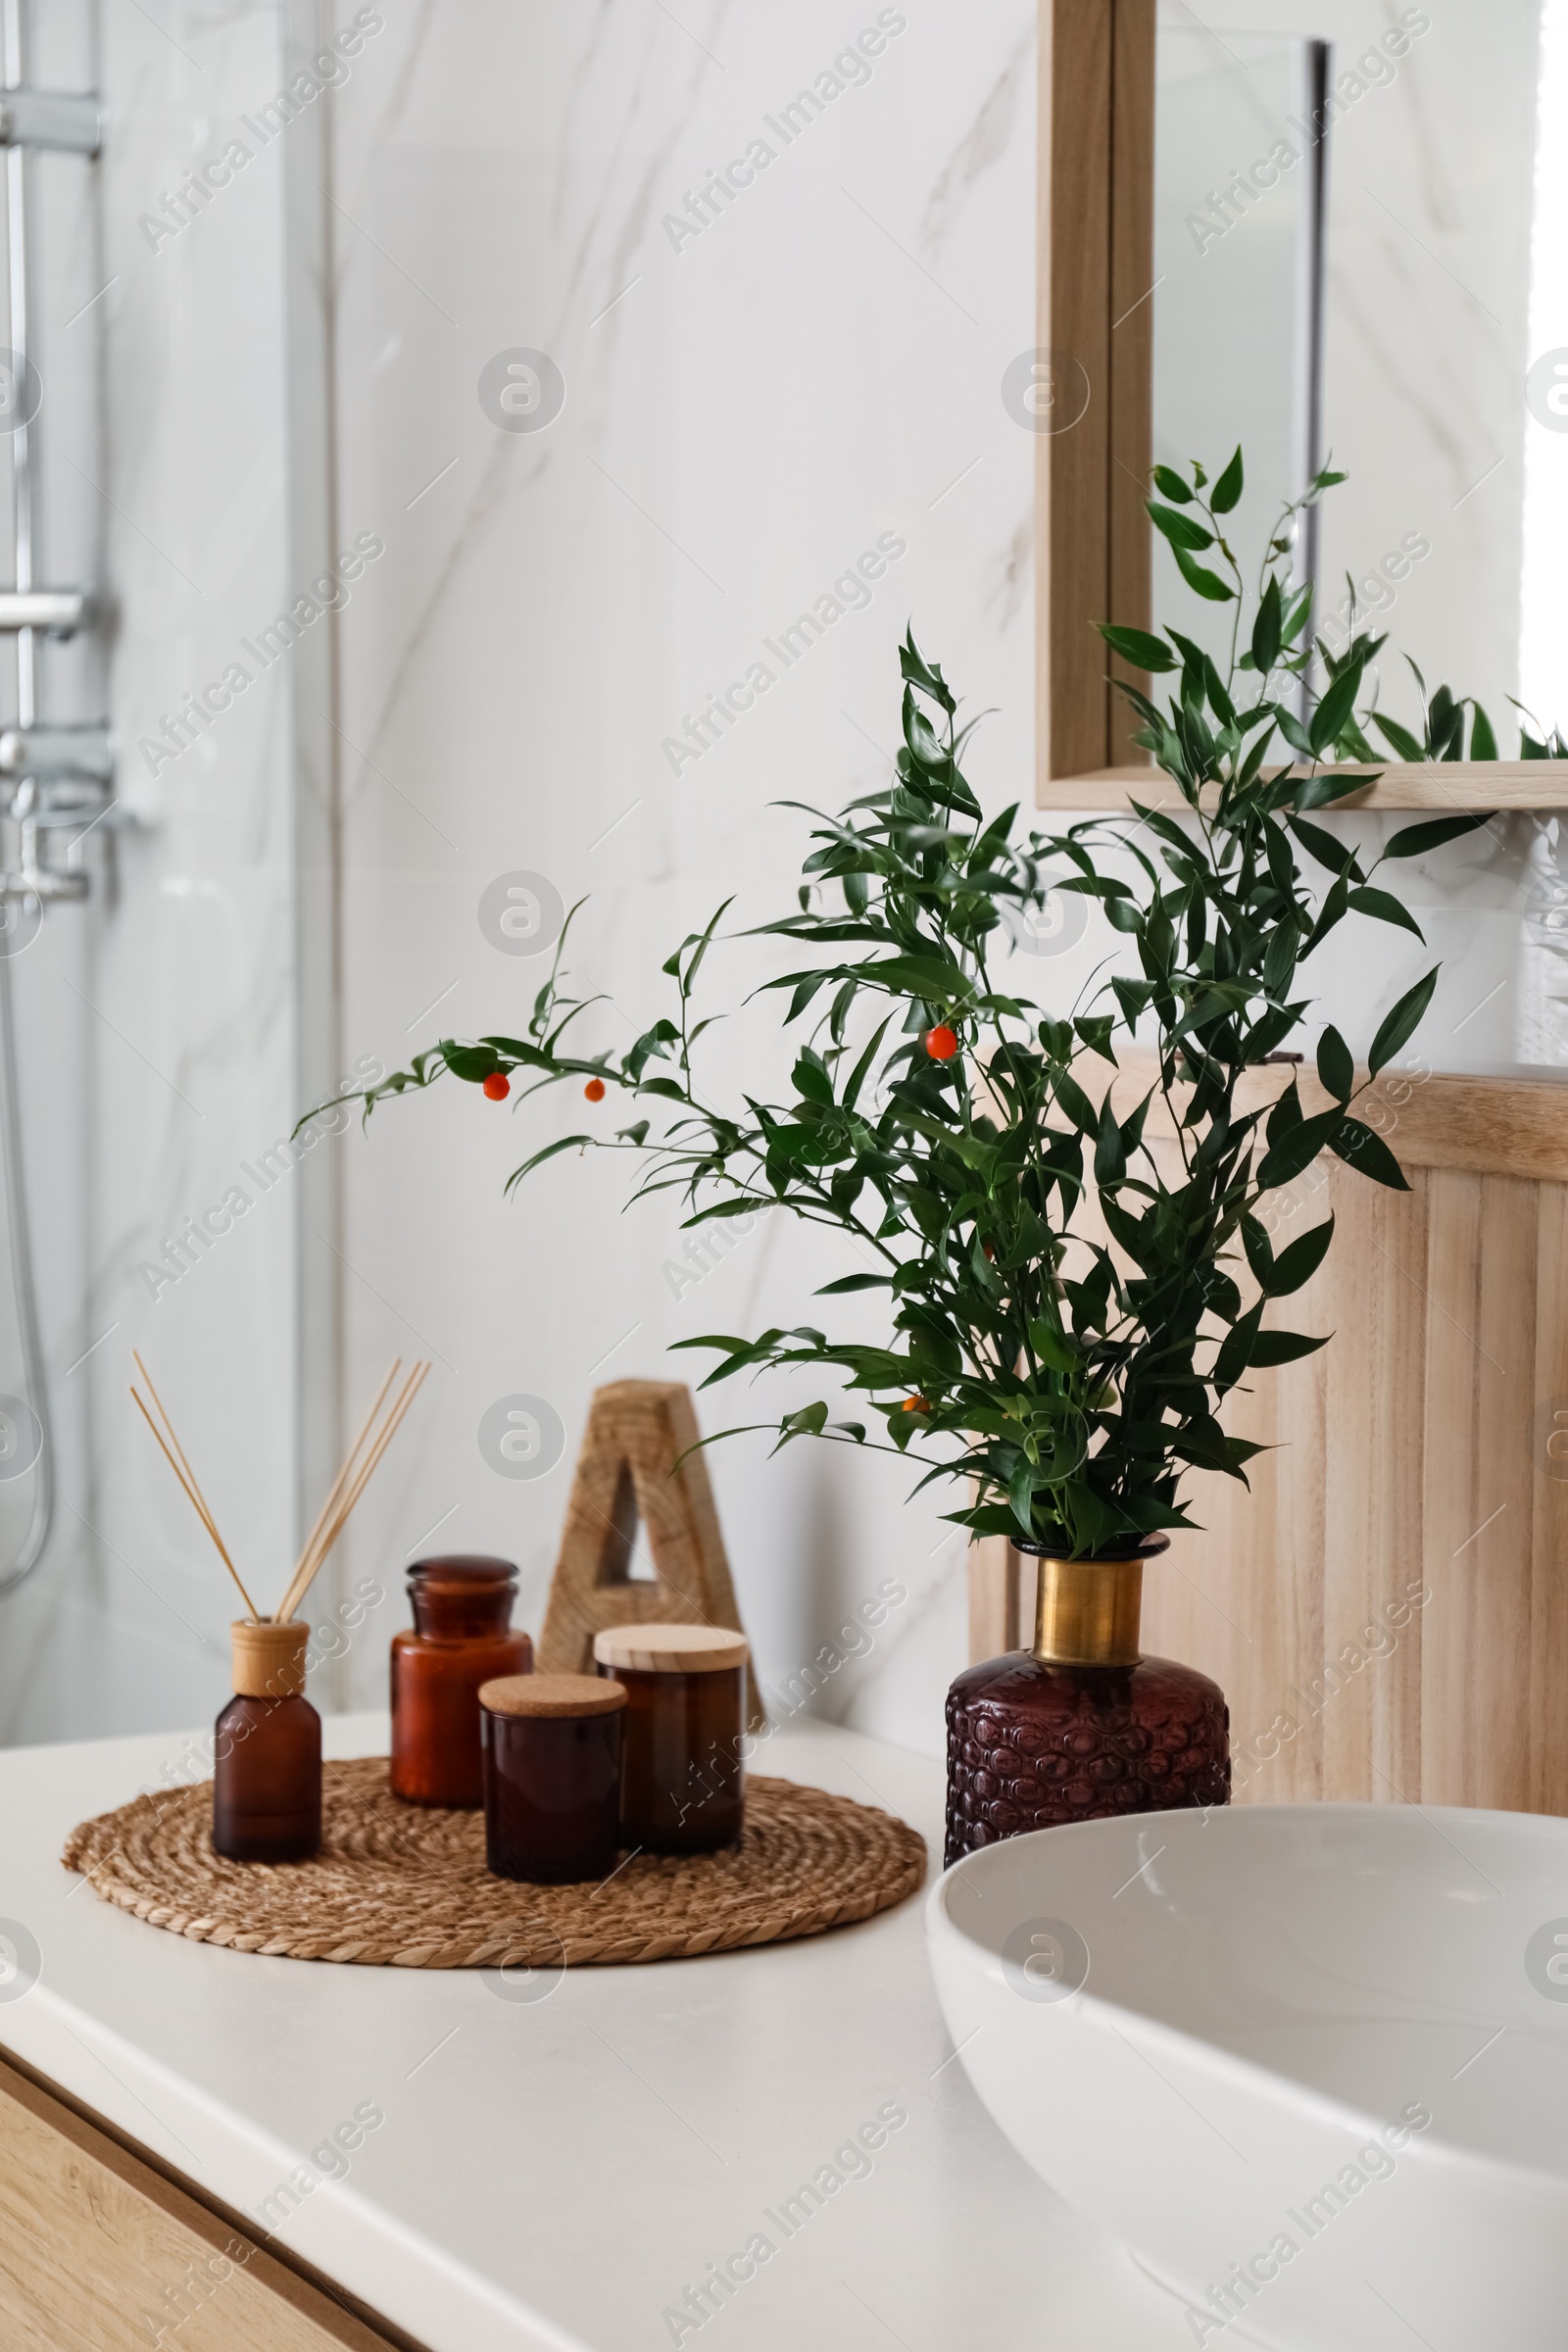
point(266, 1769)
point(552, 1776)
point(1081, 1726)
point(461, 1638)
point(682, 1780)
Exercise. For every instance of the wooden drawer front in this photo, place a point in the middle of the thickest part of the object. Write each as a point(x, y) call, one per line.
point(100, 2253)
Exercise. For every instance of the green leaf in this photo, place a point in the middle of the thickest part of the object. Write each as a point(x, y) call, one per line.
point(1338, 704)
point(1021, 1494)
point(1327, 848)
point(1335, 1065)
point(1110, 1154)
point(1365, 1151)
point(1172, 485)
point(1268, 628)
point(1296, 1151)
point(1483, 742)
point(1206, 583)
point(811, 1078)
point(1259, 1252)
point(1417, 840)
point(852, 1092)
point(1384, 907)
point(1294, 734)
point(1052, 1349)
point(1138, 647)
point(1228, 489)
point(1402, 1023)
point(1327, 786)
point(1400, 737)
point(1180, 529)
point(1282, 1348)
point(1296, 1265)
point(471, 1063)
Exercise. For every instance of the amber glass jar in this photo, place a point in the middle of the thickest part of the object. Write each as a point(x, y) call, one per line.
point(1081, 1726)
point(682, 1781)
point(552, 1776)
point(267, 1754)
point(461, 1638)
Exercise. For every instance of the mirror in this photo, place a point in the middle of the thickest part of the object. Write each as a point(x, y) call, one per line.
point(1360, 247)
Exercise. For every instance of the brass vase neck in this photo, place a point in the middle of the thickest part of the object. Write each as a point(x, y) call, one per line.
point(1087, 1612)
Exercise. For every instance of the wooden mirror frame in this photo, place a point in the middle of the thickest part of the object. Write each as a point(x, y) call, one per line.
point(1092, 535)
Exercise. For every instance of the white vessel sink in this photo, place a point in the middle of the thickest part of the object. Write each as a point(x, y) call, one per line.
point(1309, 2061)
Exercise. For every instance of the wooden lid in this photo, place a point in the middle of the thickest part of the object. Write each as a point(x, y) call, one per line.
point(551, 1695)
point(268, 1659)
point(670, 1649)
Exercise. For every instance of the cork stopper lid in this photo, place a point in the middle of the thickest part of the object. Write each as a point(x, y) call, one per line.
point(670, 1649)
point(268, 1659)
point(551, 1695)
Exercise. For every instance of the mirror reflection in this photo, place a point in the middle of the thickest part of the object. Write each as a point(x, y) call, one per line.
point(1361, 262)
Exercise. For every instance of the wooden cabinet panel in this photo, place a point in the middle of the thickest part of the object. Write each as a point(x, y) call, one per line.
point(99, 2252)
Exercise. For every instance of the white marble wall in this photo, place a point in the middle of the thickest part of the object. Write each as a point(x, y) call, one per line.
point(747, 411)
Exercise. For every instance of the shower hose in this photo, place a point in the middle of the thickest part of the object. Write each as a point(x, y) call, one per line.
point(16, 1572)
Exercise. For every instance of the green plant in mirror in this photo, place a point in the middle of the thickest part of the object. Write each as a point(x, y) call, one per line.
point(1193, 525)
point(1064, 1302)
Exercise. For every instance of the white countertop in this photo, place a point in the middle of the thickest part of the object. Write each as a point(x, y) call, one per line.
point(560, 2172)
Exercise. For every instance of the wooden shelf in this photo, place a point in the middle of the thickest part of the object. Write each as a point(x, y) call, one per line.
point(1469, 787)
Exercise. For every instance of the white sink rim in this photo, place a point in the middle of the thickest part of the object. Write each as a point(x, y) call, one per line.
point(1194, 2048)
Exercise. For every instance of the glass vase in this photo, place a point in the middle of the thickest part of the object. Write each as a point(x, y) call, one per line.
point(1081, 1726)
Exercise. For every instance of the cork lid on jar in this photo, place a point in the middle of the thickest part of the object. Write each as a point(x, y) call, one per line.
point(551, 1695)
point(670, 1649)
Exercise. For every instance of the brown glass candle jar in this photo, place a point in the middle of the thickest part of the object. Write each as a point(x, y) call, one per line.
point(682, 1781)
point(266, 1756)
point(552, 1776)
point(461, 1638)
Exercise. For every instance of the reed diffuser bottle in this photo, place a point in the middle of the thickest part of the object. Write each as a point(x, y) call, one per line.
point(266, 1779)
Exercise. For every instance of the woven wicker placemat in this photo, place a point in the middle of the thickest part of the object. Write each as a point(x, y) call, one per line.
point(406, 1886)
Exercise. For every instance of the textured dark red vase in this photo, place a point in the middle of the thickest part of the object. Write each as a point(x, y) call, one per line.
point(1034, 1741)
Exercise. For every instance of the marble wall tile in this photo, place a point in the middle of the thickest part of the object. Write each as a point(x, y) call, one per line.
point(748, 408)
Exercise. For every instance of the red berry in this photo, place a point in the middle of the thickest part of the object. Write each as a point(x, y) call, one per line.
point(595, 1090)
point(939, 1043)
point(497, 1085)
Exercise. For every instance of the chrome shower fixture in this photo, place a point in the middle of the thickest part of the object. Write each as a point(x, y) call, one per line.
point(54, 780)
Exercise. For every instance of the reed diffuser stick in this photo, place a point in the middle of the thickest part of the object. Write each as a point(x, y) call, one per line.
point(336, 1488)
point(173, 1434)
point(348, 1486)
point(411, 1390)
point(193, 1492)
